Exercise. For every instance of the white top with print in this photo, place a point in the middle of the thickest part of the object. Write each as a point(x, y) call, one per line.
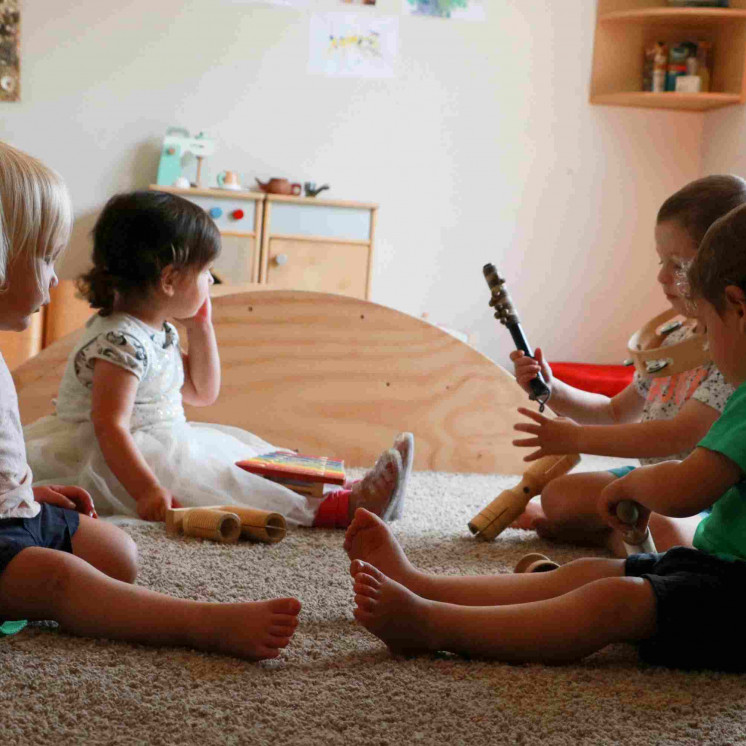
point(152, 355)
point(666, 395)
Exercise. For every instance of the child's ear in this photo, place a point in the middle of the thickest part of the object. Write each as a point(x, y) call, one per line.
point(735, 299)
point(168, 280)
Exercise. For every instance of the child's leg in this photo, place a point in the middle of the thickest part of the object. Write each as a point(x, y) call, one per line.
point(567, 511)
point(559, 629)
point(107, 548)
point(368, 539)
point(49, 584)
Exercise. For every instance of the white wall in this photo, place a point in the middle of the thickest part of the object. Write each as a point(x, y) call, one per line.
point(724, 141)
point(483, 148)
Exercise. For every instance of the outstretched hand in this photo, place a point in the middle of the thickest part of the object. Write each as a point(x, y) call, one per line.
point(66, 496)
point(550, 435)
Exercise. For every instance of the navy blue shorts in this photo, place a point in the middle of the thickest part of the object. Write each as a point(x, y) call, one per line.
point(52, 528)
point(698, 607)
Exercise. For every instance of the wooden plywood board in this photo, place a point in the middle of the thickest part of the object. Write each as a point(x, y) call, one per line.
point(338, 376)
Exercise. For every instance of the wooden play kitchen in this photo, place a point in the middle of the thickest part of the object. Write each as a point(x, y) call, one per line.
point(290, 242)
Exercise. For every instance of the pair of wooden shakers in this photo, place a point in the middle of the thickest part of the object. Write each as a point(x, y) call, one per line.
point(227, 523)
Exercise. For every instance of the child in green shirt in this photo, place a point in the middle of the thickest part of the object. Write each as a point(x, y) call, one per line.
point(682, 607)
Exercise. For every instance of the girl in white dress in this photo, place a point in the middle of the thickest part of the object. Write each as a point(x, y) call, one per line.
point(119, 430)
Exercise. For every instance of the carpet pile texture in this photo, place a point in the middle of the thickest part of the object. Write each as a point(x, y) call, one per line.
point(336, 684)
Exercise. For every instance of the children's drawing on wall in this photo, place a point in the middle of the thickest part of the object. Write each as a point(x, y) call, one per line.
point(279, 3)
point(461, 10)
point(10, 36)
point(353, 45)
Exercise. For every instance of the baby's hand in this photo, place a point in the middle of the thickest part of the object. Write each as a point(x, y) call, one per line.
point(527, 368)
point(152, 505)
point(203, 315)
point(552, 436)
point(608, 502)
point(66, 496)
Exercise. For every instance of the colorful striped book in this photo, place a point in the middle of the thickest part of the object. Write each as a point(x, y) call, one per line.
point(282, 465)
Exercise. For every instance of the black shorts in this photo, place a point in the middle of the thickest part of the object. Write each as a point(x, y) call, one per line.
point(51, 528)
point(698, 606)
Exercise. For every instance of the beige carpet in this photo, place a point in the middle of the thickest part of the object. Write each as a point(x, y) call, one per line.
point(336, 684)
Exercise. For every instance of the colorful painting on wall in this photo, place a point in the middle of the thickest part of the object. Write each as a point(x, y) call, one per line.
point(10, 52)
point(461, 10)
point(353, 45)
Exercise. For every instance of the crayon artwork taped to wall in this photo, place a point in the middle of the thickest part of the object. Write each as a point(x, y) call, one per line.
point(299, 4)
point(353, 45)
point(457, 10)
point(10, 52)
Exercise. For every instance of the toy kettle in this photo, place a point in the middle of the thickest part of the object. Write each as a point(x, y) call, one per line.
point(279, 186)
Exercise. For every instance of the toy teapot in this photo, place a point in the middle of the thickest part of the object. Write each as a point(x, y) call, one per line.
point(279, 186)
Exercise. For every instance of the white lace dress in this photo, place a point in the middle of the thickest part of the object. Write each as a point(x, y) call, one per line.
point(196, 461)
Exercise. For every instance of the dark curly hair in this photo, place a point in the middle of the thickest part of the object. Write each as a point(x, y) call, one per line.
point(137, 235)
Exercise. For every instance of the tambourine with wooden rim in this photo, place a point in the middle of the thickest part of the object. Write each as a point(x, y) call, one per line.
point(652, 359)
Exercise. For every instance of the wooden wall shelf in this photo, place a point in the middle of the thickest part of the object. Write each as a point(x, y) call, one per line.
point(677, 16)
point(624, 28)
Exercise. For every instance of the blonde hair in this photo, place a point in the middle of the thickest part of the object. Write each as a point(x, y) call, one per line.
point(35, 209)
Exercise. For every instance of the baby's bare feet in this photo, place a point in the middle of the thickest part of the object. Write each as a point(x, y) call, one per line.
point(390, 611)
point(527, 519)
point(253, 630)
point(369, 539)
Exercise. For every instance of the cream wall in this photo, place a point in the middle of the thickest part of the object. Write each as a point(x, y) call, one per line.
point(724, 141)
point(483, 148)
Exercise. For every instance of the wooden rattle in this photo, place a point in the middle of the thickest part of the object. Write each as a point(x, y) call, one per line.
point(651, 358)
point(509, 504)
point(225, 523)
point(635, 540)
point(506, 314)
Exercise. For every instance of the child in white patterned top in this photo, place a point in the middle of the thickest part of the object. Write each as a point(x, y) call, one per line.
point(651, 419)
point(119, 429)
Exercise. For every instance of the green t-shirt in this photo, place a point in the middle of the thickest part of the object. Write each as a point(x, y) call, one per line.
point(723, 532)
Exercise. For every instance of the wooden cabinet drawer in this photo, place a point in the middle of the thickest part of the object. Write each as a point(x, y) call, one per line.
point(322, 220)
point(238, 261)
point(322, 265)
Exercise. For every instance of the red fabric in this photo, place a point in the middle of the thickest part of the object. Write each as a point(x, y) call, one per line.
point(333, 511)
point(598, 379)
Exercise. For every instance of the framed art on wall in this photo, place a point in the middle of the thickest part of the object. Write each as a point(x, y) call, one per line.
point(10, 37)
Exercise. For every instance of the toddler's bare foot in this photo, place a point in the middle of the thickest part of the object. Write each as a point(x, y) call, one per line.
point(253, 630)
point(379, 490)
point(527, 519)
point(390, 611)
point(369, 539)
